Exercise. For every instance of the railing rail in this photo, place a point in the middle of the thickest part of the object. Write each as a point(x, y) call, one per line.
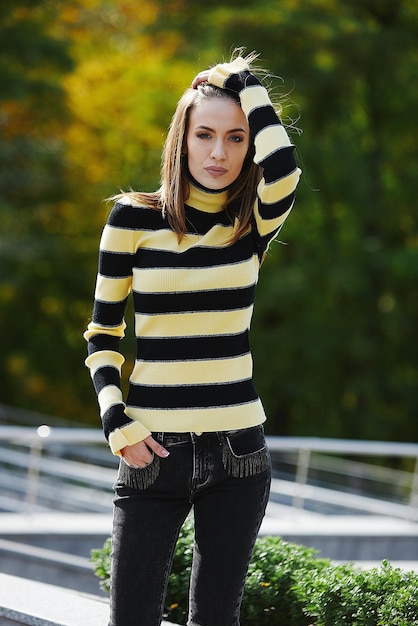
point(304, 446)
point(38, 439)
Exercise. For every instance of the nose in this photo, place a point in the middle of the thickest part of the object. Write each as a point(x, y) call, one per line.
point(218, 151)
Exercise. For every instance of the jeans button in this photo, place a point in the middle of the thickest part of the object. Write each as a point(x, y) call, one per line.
point(198, 434)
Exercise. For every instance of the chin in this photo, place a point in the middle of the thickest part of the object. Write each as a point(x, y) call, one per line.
point(217, 184)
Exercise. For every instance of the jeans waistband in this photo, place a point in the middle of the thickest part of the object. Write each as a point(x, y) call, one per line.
point(190, 437)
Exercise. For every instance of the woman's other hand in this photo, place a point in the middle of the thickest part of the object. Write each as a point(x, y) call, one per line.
point(140, 454)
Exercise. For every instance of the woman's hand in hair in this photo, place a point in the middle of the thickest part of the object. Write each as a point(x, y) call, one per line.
point(202, 77)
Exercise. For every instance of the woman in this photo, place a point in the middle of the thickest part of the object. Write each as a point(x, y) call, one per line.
point(190, 434)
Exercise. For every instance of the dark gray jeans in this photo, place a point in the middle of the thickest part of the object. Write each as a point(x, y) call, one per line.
point(225, 478)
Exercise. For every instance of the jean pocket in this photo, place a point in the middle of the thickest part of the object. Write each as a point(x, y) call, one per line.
point(245, 452)
point(139, 477)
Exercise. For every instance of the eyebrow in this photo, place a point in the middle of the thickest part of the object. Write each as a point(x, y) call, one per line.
point(212, 130)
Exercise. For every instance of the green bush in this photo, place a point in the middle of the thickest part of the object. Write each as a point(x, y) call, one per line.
point(342, 595)
point(288, 585)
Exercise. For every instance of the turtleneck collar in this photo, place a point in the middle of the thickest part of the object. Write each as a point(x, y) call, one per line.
point(206, 201)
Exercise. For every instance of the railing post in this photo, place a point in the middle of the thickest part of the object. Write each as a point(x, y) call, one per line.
point(413, 497)
point(304, 457)
point(34, 467)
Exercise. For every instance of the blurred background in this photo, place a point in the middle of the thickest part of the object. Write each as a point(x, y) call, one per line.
point(87, 90)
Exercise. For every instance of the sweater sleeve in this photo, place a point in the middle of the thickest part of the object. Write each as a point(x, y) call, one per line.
point(273, 150)
point(107, 328)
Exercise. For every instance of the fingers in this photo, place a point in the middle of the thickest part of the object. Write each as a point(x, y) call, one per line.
point(202, 77)
point(140, 454)
point(156, 447)
point(137, 455)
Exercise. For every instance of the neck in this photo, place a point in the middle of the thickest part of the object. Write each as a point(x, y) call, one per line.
point(206, 200)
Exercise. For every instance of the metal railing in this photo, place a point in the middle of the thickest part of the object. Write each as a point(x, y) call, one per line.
point(305, 446)
point(37, 440)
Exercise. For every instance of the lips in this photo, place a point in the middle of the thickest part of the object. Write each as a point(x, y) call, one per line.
point(216, 171)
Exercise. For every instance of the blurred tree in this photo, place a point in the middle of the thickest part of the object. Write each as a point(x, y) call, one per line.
point(338, 306)
point(334, 327)
point(35, 261)
point(86, 101)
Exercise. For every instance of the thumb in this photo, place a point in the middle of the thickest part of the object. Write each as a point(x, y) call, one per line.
point(156, 447)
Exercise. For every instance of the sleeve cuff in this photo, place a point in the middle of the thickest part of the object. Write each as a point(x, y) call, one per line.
point(220, 73)
point(127, 436)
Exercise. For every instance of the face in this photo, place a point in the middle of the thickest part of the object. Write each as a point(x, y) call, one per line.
point(217, 142)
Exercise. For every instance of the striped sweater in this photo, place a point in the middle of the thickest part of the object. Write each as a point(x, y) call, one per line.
point(193, 299)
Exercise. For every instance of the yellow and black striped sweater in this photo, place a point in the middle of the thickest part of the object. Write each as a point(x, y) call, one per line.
point(193, 299)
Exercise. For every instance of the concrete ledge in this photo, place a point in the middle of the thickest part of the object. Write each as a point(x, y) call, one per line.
point(34, 603)
point(349, 537)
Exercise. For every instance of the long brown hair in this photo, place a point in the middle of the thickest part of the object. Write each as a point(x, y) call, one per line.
point(172, 195)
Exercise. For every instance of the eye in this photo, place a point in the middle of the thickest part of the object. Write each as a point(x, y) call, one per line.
point(236, 138)
point(203, 135)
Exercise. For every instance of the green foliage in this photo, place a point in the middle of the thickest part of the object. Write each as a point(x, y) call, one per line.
point(288, 584)
point(40, 292)
point(342, 595)
point(271, 594)
point(101, 559)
